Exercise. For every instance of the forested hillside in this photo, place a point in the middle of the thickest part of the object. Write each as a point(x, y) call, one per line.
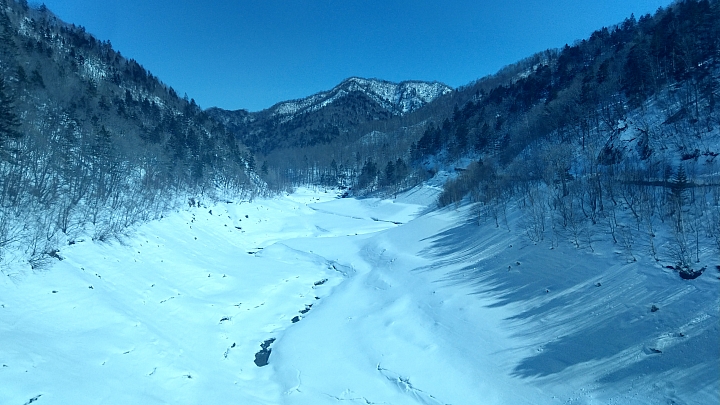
point(324, 138)
point(352, 108)
point(641, 92)
point(663, 66)
point(616, 136)
point(613, 136)
point(91, 142)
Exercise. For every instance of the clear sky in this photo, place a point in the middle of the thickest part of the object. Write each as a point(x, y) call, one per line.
point(252, 54)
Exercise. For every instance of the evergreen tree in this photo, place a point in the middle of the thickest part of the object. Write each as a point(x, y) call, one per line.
point(368, 174)
point(390, 175)
point(8, 119)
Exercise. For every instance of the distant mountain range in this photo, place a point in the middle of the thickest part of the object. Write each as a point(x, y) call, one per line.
point(321, 117)
point(398, 98)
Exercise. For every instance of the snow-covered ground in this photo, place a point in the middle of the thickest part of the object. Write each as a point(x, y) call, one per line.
point(369, 302)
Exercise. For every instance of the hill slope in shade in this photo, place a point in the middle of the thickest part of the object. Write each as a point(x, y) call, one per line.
point(368, 301)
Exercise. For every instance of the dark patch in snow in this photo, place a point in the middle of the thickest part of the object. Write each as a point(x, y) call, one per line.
point(321, 282)
point(295, 319)
point(54, 291)
point(224, 318)
point(685, 272)
point(352, 399)
point(227, 351)
point(33, 399)
point(307, 309)
point(56, 254)
point(654, 308)
point(263, 356)
point(690, 274)
point(385, 220)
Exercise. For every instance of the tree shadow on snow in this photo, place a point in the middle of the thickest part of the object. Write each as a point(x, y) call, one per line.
point(576, 307)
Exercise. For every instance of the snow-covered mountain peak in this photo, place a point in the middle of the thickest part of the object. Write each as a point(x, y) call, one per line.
point(399, 98)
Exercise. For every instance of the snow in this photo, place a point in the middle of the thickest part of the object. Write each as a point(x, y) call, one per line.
point(396, 303)
point(95, 69)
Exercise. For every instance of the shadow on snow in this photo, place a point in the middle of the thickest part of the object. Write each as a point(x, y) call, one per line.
point(577, 307)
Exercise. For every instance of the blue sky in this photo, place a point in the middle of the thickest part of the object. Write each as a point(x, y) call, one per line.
point(252, 54)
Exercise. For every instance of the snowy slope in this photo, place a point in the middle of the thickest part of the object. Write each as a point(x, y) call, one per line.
point(370, 302)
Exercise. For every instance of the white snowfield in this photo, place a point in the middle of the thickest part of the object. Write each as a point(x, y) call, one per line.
point(369, 302)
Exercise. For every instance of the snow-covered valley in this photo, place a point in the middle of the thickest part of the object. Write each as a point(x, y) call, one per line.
point(368, 301)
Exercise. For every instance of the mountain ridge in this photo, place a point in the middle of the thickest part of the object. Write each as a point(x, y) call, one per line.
point(401, 98)
point(323, 116)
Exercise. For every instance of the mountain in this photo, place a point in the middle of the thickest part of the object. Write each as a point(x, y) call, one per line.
point(640, 93)
point(321, 118)
point(91, 142)
point(546, 234)
point(102, 138)
point(397, 98)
